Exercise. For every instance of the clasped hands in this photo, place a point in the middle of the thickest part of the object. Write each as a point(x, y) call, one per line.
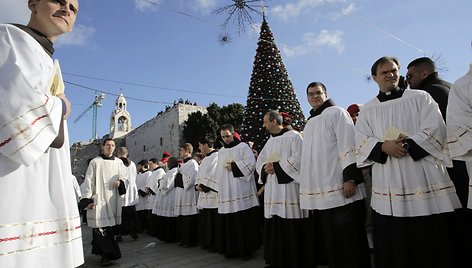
point(395, 148)
point(269, 168)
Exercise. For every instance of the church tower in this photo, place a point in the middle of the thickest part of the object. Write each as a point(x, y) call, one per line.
point(120, 120)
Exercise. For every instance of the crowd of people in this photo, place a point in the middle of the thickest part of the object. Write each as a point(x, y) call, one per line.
point(381, 181)
point(387, 179)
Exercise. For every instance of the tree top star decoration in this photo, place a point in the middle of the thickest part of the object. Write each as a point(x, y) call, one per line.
point(241, 11)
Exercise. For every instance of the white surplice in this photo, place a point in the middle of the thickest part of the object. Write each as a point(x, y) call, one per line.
point(236, 194)
point(403, 187)
point(328, 148)
point(153, 184)
point(39, 222)
point(131, 197)
point(141, 182)
point(206, 176)
point(186, 198)
point(282, 200)
point(99, 185)
point(459, 123)
point(166, 198)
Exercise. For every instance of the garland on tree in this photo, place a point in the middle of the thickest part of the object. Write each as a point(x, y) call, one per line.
point(270, 88)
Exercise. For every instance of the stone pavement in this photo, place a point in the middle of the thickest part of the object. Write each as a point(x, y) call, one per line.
point(148, 251)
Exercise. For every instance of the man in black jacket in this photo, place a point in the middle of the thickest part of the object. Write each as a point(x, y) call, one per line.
point(422, 74)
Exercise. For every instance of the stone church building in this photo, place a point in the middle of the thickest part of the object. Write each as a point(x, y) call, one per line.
point(161, 133)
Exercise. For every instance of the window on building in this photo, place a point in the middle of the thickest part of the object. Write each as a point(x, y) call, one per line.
point(160, 141)
point(144, 148)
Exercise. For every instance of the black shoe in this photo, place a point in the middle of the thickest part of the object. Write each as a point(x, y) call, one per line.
point(119, 238)
point(105, 261)
point(134, 236)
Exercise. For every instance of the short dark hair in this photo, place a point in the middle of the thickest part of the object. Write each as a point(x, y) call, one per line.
point(275, 115)
point(227, 127)
point(373, 69)
point(316, 84)
point(172, 162)
point(144, 163)
point(207, 140)
point(107, 139)
point(423, 62)
point(154, 160)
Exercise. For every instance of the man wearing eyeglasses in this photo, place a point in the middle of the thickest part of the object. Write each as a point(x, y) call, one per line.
point(238, 203)
point(330, 183)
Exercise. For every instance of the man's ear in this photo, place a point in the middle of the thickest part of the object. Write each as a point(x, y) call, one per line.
point(32, 4)
point(374, 78)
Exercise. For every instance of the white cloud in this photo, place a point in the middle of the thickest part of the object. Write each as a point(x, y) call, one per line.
point(147, 5)
point(207, 4)
point(78, 37)
point(14, 11)
point(344, 11)
point(291, 11)
point(312, 42)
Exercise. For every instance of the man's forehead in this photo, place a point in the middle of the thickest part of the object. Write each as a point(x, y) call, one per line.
point(388, 65)
point(315, 88)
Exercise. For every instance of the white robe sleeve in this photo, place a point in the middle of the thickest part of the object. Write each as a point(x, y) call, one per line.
point(365, 140)
point(30, 117)
point(88, 186)
point(247, 163)
point(432, 132)
point(291, 164)
point(459, 118)
point(346, 142)
point(188, 177)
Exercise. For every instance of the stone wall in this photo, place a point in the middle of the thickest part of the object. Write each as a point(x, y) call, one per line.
point(161, 133)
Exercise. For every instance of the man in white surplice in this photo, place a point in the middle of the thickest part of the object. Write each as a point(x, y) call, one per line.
point(330, 183)
point(39, 222)
point(459, 135)
point(278, 165)
point(129, 218)
point(104, 182)
point(401, 133)
point(186, 197)
point(238, 202)
point(206, 184)
point(459, 123)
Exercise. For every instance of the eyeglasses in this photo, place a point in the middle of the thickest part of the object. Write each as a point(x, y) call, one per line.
point(314, 94)
point(226, 136)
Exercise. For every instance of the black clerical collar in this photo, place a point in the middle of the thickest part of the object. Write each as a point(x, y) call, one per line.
point(281, 132)
point(208, 154)
point(107, 157)
point(391, 95)
point(187, 159)
point(47, 45)
point(126, 161)
point(233, 143)
point(326, 104)
point(156, 168)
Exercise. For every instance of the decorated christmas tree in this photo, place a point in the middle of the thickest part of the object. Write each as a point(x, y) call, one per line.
point(270, 88)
